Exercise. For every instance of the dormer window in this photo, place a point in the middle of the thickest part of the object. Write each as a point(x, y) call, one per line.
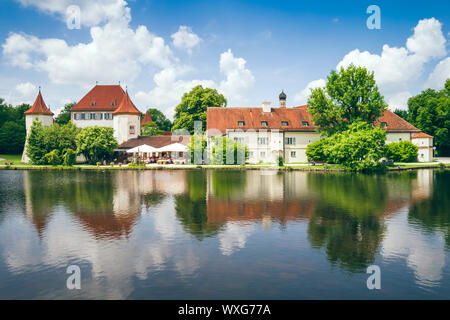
point(264, 123)
point(284, 123)
point(383, 124)
point(241, 123)
point(113, 103)
point(305, 123)
point(92, 104)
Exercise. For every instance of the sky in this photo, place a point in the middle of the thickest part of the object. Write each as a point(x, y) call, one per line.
point(248, 50)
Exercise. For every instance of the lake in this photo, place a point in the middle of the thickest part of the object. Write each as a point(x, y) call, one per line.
point(221, 234)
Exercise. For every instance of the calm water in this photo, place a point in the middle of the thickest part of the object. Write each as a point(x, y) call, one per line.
point(224, 234)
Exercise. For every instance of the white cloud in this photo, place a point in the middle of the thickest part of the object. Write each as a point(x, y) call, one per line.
point(239, 80)
point(92, 12)
point(301, 98)
point(116, 52)
point(170, 88)
point(441, 72)
point(396, 69)
point(185, 39)
point(26, 90)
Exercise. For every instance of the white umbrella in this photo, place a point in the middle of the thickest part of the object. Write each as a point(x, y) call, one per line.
point(142, 148)
point(174, 147)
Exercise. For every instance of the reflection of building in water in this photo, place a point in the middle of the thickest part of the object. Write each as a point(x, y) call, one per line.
point(423, 185)
point(106, 204)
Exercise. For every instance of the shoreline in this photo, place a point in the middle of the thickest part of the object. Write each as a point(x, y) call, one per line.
point(213, 167)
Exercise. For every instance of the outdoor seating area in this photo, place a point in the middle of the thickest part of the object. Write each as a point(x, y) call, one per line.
point(169, 154)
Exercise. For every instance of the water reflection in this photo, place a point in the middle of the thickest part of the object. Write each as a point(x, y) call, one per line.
point(129, 226)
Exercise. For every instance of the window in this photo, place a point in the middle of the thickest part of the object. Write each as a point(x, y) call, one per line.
point(92, 104)
point(82, 116)
point(241, 123)
point(264, 123)
point(262, 154)
point(284, 123)
point(92, 116)
point(263, 140)
point(108, 116)
point(113, 103)
point(75, 116)
point(305, 123)
point(240, 139)
point(383, 124)
point(131, 129)
point(292, 154)
point(99, 116)
point(290, 140)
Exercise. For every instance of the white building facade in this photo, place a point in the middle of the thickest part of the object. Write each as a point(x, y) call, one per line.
point(272, 132)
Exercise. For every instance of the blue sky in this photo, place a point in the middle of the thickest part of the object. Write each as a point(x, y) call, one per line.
point(248, 50)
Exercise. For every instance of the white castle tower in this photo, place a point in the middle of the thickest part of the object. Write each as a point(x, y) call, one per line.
point(40, 112)
point(127, 120)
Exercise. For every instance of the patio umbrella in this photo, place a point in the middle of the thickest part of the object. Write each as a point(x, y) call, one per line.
point(174, 147)
point(143, 148)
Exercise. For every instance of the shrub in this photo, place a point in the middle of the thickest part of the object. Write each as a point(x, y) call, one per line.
point(98, 164)
point(96, 143)
point(315, 151)
point(69, 157)
point(280, 161)
point(402, 151)
point(111, 164)
point(53, 158)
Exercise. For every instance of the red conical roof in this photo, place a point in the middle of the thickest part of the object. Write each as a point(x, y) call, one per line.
point(126, 106)
point(146, 119)
point(39, 106)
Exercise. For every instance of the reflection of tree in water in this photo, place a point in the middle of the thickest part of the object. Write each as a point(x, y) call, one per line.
point(347, 220)
point(191, 207)
point(350, 242)
point(11, 192)
point(227, 183)
point(153, 198)
point(88, 195)
point(433, 214)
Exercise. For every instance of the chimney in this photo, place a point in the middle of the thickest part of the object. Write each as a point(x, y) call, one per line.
point(266, 106)
point(282, 97)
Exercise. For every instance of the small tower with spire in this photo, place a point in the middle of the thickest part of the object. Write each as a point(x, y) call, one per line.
point(282, 97)
point(39, 112)
point(127, 120)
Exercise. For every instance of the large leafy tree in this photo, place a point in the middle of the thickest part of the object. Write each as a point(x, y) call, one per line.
point(96, 143)
point(150, 129)
point(45, 140)
point(430, 112)
point(193, 107)
point(160, 119)
point(12, 138)
point(349, 95)
point(64, 115)
point(12, 127)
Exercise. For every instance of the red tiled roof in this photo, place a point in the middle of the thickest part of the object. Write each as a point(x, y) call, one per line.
point(39, 106)
point(126, 106)
point(101, 98)
point(155, 141)
point(227, 118)
point(421, 135)
point(146, 119)
point(223, 118)
point(395, 123)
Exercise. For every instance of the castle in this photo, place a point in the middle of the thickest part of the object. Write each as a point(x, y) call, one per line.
point(268, 132)
point(103, 105)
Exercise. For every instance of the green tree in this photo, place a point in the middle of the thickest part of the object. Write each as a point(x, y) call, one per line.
point(12, 138)
point(430, 112)
point(160, 119)
point(193, 107)
point(150, 129)
point(36, 149)
point(349, 95)
point(402, 151)
point(228, 151)
point(315, 150)
point(44, 140)
point(96, 143)
point(64, 116)
point(197, 149)
point(402, 113)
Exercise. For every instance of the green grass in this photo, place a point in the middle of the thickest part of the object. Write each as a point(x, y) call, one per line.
point(16, 158)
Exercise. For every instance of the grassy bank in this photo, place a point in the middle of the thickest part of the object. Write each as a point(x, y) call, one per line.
point(18, 165)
